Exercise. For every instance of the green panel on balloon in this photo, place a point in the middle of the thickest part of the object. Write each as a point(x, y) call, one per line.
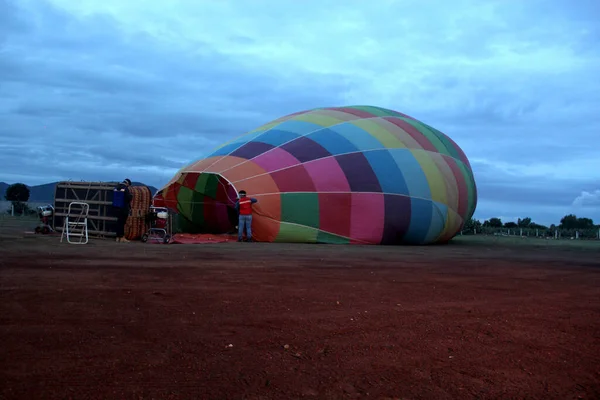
point(184, 201)
point(330, 238)
point(197, 208)
point(451, 149)
point(290, 233)
point(376, 111)
point(300, 208)
point(201, 183)
point(211, 186)
point(182, 224)
point(470, 188)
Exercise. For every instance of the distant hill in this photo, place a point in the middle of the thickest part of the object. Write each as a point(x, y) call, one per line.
point(45, 193)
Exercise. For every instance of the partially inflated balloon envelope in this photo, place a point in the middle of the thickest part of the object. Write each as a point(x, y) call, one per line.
point(356, 174)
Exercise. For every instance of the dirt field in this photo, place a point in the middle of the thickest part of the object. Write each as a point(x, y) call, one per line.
point(478, 318)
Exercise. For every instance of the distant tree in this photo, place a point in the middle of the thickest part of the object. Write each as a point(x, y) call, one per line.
point(524, 223)
point(493, 223)
point(471, 225)
point(533, 225)
point(572, 222)
point(585, 223)
point(510, 225)
point(18, 192)
point(568, 222)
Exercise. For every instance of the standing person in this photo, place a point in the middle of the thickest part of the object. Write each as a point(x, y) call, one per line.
point(244, 208)
point(122, 203)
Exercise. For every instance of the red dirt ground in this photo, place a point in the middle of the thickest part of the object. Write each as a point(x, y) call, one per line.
point(265, 321)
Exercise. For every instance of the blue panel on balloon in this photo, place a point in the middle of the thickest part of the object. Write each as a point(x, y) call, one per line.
point(420, 221)
point(438, 220)
point(247, 138)
point(276, 137)
point(299, 127)
point(360, 138)
point(387, 172)
point(415, 178)
point(333, 142)
point(225, 150)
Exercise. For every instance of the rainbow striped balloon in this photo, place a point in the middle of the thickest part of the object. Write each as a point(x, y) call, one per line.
point(356, 174)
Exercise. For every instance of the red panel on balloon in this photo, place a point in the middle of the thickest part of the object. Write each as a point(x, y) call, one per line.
point(463, 192)
point(295, 179)
point(334, 213)
point(171, 195)
point(189, 181)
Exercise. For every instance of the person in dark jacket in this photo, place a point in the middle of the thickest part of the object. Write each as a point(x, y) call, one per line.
point(122, 203)
point(244, 209)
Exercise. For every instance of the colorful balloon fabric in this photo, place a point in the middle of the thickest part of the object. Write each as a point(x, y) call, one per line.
point(358, 174)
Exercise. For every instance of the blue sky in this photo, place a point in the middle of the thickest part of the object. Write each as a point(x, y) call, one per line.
point(105, 89)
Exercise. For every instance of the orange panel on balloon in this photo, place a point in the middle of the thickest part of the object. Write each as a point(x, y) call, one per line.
point(240, 172)
point(224, 163)
point(261, 184)
point(171, 181)
point(264, 229)
point(201, 165)
point(268, 205)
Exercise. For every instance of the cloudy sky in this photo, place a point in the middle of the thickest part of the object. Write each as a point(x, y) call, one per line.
point(103, 89)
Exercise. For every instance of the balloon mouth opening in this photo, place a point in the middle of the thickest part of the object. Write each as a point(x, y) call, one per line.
point(203, 202)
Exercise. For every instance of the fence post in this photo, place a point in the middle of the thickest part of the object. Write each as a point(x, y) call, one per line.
point(12, 210)
point(537, 233)
point(576, 234)
point(521, 232)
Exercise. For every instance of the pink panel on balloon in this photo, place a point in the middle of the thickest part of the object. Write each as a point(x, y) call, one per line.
point(327, 175)
point(275, 159)
point(367, 217)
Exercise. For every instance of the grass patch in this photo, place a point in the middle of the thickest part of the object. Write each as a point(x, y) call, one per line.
point(518, 241)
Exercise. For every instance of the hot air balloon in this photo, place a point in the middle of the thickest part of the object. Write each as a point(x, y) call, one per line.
point(357, 174)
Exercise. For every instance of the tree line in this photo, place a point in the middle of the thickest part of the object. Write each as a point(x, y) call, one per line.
point(569, 224)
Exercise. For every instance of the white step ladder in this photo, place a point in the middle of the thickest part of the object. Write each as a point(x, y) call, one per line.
point(75, 223)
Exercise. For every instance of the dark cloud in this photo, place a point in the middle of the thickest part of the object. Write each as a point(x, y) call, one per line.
point(497, 185)
point(103, 80)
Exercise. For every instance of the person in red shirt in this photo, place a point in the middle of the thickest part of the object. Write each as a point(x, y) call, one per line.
point(244, 209)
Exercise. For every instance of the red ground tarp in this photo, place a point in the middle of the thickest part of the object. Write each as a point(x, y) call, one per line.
point(187, 238)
